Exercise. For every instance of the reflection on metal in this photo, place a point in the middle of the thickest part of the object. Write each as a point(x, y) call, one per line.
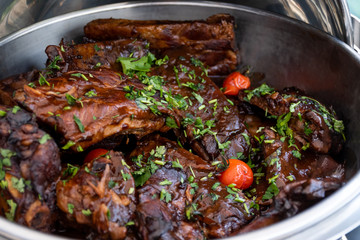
point(356, 27)
point(331, 16)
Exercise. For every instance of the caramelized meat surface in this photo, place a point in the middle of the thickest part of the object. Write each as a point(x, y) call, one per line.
point(87, 107)
point(92, 56)
point(217, 32)
point(186, 189)
point(310, 121)
point(212, 123)
point(9, 85)
point(100, 194)
point(211, 41)
point(151, 81)
point(30, 167)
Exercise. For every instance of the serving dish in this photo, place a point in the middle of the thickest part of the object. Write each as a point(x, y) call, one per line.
point(287, 51)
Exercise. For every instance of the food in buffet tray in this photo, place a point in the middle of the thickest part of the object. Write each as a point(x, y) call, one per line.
point(150, 146)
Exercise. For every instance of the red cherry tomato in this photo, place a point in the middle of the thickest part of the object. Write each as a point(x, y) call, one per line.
point(235, 82)
point(95, 154)
point(239, 173)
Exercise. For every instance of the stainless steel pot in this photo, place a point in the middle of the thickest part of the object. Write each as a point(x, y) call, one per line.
point(290, 53)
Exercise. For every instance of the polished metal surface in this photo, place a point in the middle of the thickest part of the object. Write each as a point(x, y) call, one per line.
point(290, 53)
point(331, 16)
point(356, 30)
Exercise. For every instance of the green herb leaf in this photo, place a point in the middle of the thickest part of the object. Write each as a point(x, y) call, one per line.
point(164, 195)
point(42, 80)
point(68, 145)
point(53, 65)
point(11, 214)
point(18, 184)
point(271, 191)
point(79, 124)
point(86, 212)
point(165, 182)
point(70, 99)
point(15, 109)
point(198, 97)
point(91, 93)
point(170, 122)
point(70, 208)
point(44, 138)
point(176, 164)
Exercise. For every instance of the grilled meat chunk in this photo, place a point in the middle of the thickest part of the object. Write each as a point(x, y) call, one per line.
point(89, 56)
point(288, 162)
point(217, 32)
point(310, 121)
point(100, 194)
point(87, 107)
point(211, 41)
point(96, 55)
point(212, 124)
point(185, 189)
point(29, 169)
point(9, 85)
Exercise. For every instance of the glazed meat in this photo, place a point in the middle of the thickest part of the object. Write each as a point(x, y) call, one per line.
point(212, 124)
point(100, 194)
point(289, 162)
point(185, 189)
point(86, 107)
point(9, 85)
point(217, 32)
point(310, 121)
point(186, 161)
point(30, 167)
point(90, 56)
point(211, 41)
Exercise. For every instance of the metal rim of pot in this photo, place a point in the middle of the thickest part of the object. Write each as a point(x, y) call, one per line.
point(337, 212)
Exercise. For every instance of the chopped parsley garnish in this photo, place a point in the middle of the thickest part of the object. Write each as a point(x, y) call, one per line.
point(111, 184)
point(53, 65)
point(86, 212)
point(70, 171)
point(165, 196)
point(96, 48)
point(15, 109)
point(70, 99)
point(11, 214)
point(144, 173)
point(296, 154)
point(91, 93)
point(44, 138)
point(130, 223)
point(18, 184)
point(272, 190)
point(176, 164)
point(215, 186)
point(160, 62)
point(165, 182)
point(130, 64)
point(198, 97)
point(170, 122)
point(68, 145)
point(70, 208)
point(42, 80)
point(80, 75)
point(79, 124)
point(262, 90)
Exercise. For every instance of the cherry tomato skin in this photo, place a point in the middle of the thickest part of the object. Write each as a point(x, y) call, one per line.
point(95, 154)
point(234, 83)
point(239, 173)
